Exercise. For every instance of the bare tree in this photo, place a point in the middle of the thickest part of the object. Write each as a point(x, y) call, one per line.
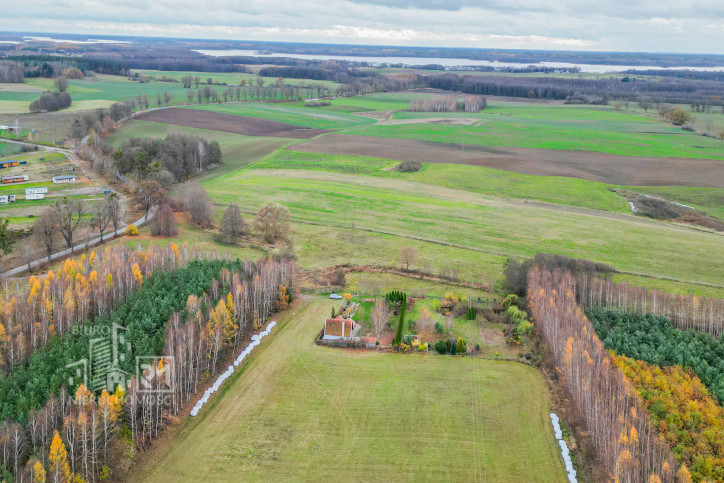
point(232, 224)
point(101, 218)
point(380, 315)
point(61, 83)
point(116, 210)
point(272, 221)
point(199, 205)
point(45, 230)
point(409, 256)
point(69, 216)
point(164, 222)
point(149, 193)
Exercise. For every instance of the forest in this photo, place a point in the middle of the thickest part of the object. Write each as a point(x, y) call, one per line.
point(680, 91)
point(192, 311)
point(182, 155)
point(689, 419)
point(620, 432)
point(655, 340)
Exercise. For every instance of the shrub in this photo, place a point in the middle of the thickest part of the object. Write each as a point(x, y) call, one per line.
point(472, 313)
point(461, 346)
point(409, 166)
point(477, 347)
point(439, 328)
point(441, 347)
point(411, 325)
point(422, 348)
point(131, 230)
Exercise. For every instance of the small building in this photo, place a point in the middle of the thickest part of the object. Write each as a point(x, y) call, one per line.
point(35, 196)
point(7, 199)
point(8, 163)
point(339, 328)
point(14, 179)
point(66, 178)
point(36, 191)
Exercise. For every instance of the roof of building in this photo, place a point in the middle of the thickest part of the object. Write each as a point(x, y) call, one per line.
point(65, 176)
point(339, 326)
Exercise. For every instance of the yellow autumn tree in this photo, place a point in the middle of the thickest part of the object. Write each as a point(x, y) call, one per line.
point(58, 461)
point(83, 397)
point(39, 474)
point(283, 297)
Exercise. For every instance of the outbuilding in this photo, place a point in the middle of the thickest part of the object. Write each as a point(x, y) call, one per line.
point(339, 328)
point(66, 178)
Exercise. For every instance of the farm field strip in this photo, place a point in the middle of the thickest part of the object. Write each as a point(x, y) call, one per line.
point(467, 219)
point(601, 167)
point(287, 411)
point(218, 121)
point(496, 182)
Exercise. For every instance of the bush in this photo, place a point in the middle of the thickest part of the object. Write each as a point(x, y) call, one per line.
point(131, 230)
point(51, 101)
point(441, 347)
point(461, 346)
point(422, 348)
point(439, 328)
point(409, 166)
point(453, 347)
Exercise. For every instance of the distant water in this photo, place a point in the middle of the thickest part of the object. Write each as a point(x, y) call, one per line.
point(449, 62)
point(66, 41)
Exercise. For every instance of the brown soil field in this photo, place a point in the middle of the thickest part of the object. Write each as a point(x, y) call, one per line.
point(603, 167)
point(216, 121)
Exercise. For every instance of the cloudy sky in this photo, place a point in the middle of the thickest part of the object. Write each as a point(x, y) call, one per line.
point(633, 25)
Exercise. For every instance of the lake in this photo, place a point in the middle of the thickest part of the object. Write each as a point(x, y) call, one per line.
point(448, 63)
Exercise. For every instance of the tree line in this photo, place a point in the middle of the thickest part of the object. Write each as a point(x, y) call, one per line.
point(619, 429)
point(683, 91)
point(11, 72)
point(469, 103)
point(684, 311)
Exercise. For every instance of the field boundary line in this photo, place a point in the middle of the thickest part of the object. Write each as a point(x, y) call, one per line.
point(478, 250)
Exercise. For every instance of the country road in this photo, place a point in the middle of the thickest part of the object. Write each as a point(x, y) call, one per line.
point(73, 158)
point(80, 246)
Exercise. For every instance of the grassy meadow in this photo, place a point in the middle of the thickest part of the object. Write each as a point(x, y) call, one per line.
point(296, 411)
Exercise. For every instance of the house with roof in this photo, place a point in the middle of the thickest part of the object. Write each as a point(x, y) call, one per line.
point(340, 328)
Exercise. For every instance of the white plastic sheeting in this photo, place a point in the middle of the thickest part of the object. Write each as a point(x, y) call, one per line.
point(564, 448)
point(255, 341)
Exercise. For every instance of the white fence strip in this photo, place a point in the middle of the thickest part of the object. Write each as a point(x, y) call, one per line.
point(255, 341)
point(564, 448)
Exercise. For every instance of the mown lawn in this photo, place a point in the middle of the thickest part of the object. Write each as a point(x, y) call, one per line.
point(298, 412)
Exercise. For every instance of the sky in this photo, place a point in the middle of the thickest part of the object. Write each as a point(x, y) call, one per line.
point(605, 25)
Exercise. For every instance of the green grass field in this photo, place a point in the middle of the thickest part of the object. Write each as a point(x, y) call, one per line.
point(8, 149)
point(477, 222)
point(293, 113)
point(298, 412)
point(563, 128)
